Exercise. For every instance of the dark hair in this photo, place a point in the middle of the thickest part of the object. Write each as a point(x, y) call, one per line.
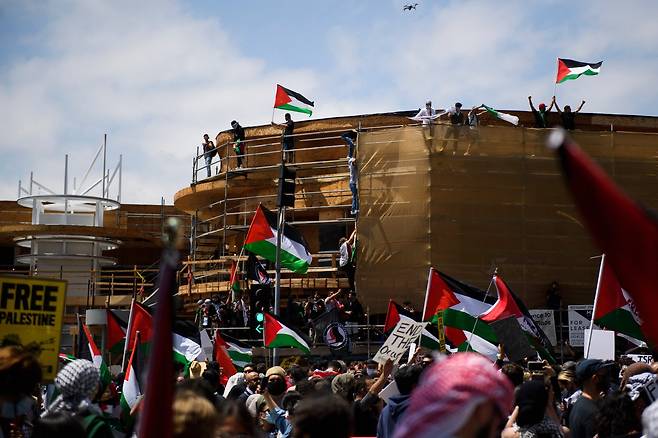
point(514, 373)
point(58, 424)
point(326, 416)
point(239, 412)
point(22, 375)
point(298, 373)
point(617, 416)
point(212, 377)
point(200, 387)
point(290, 400)
point(407, 378)
point(336, 365)
point(249, 365)
point(261, 368)
point(531, 398)
point(234, 122)
point(342, 240)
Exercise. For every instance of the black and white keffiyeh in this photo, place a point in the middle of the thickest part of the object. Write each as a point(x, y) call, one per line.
point(77, 383)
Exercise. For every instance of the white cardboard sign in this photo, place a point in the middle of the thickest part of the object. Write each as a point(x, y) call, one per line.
point(406, 332)
point(602, 345)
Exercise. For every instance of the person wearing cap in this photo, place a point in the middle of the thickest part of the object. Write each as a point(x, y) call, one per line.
point(541, 115)
point(593, 375)
point(453, 130)
point(462, 395)
point(427, 114)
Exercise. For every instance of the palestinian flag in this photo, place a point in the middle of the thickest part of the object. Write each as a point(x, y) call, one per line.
point(131, 389)
point(428, 337)
point(186, 343)
point(234, 280)
point(97, 358)
point(509, 305)
point(622, 229)
point(570, 69)
point(222, 356)
point(256, 271)
point(66, 358)
point(261, 240)
point(461, 305)
point(240, 353)
point(289, 100)
point(278, 335)
point(614, 307)
point(502, 116)
point(140, 321)
point(116, 332)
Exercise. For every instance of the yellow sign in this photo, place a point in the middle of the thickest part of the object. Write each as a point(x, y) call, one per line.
point(442, 333)
point(31, 313)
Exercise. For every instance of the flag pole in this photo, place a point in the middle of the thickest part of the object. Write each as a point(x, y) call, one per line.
point(127, 339)
point(277, 287)
point(427, 292)
point(486, 295)
point(596, 300)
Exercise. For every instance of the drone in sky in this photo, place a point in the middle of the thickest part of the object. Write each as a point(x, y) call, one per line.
point(410, 7)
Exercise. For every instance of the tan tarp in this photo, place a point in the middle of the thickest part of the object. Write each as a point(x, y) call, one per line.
point(504, 206)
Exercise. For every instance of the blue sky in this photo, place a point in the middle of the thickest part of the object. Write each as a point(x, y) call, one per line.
point(156, 75)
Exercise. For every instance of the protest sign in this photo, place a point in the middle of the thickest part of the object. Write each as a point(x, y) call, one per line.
point(31, 313)
point(643, 358)
point(601, 346)
point(579, 319)
point(545, 319)
point(406, 332)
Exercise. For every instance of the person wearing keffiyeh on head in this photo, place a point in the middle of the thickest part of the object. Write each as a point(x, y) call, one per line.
point(77, 384)
point(462, 395)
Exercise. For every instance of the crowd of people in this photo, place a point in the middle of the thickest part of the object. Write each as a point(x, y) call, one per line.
point(428, 395)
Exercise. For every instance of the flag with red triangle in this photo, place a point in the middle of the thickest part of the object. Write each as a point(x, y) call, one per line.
point(234, 280)
point(96, 357)
point(622, 229)
point(615, 309)
point(222, 356)
point(140, 321)
point(287, 99)
point(276, 335)
point(509, 305)
point(429, 337)
point(116, 332)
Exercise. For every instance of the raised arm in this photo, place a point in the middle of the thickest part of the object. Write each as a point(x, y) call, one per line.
point(352, 238)
point(557, 107)
point(552, 104)
point(581, 106)
point(532, 107)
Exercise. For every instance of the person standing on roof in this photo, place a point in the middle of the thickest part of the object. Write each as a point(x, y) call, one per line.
point(568, 117)
point(541, 119)
point(452, 132)
point(427, 114)
point(238, 142)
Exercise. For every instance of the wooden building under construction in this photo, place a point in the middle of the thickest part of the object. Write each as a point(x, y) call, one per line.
point(424, 202)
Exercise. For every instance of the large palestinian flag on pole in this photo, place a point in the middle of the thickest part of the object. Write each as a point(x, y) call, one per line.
point(186, 343)
point(276, 335)
point(509, 305)
point(460, 305)
point(238, 352)
point(614, 308)
point(620, 227)
point(569, 69)
point(261, 240)
point(289, 100)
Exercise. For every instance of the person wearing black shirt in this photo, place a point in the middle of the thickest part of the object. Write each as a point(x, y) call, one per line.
point(594, 376)
point(568, 117)
point(541, 116)
point(288, 141)
point(353, 308)
point(238, 140)
point(452, 132)
point(209, 151)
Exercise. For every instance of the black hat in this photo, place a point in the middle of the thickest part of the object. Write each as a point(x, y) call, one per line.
point(588, 367)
